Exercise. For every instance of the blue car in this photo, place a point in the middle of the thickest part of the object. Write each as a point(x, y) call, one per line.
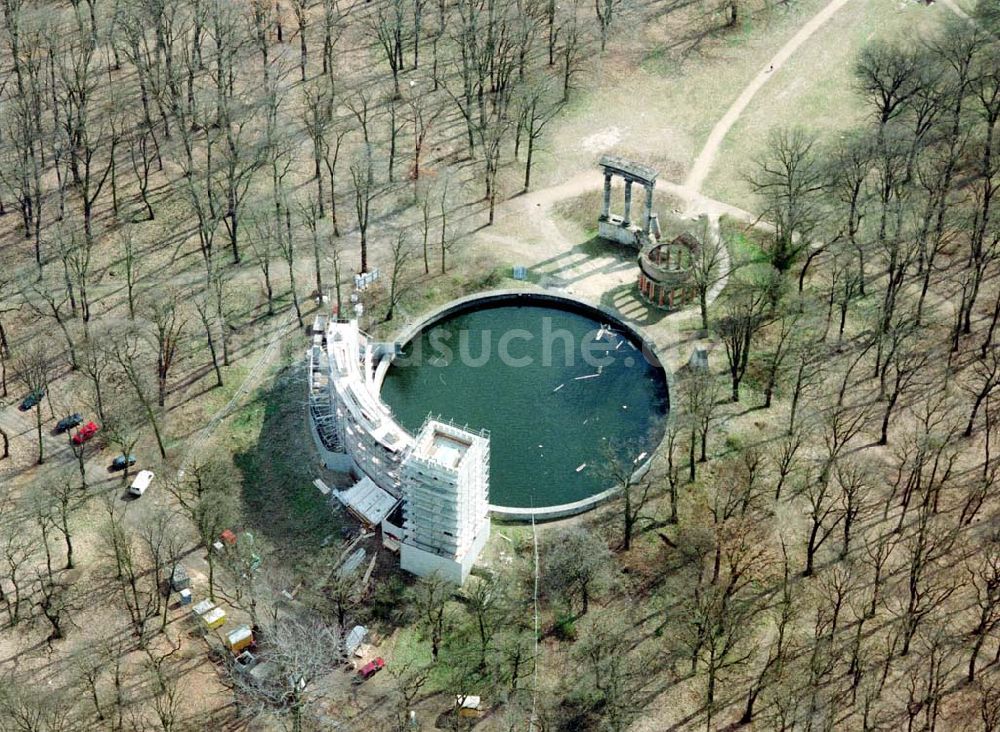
point(32, 399)
point(121, 461)
point(69, 422)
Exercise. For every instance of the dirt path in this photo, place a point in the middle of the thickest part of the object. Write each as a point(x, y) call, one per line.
point(536, 207)
point(703, 163)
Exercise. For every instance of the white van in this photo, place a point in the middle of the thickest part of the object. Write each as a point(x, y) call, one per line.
point(141, 482)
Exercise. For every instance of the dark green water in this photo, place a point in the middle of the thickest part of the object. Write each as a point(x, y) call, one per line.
point(500, 368)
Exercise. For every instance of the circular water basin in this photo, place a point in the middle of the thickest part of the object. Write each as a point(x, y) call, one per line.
point(556, 382)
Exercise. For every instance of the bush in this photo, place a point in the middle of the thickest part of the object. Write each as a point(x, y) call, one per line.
point(565, 628)
point(388, 603)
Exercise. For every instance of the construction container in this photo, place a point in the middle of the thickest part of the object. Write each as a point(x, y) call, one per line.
point(179, 579)
point(214, 618)
point(354, 639)
point(202, 607)
point(469, 706)
point(239, 638)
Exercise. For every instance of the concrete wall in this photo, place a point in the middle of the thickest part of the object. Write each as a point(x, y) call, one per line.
point(563, 510)
point(422, 563)
point(613, 230)
point(530, 297)
point(339, 461)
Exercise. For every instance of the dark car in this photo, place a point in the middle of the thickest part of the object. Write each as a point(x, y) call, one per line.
point(85, 433)
point(69, 422)
point(370, 669)
point(121, 461)
point(32, 399)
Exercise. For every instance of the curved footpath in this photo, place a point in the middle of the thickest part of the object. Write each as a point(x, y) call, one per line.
point(537, 206)
point(703, 163)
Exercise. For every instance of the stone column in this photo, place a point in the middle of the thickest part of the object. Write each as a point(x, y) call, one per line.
point(649, 208)
point(606, 211)
point(628, 203)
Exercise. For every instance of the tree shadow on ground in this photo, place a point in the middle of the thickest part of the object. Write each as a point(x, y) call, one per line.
point(277, 462)
point(625, 300)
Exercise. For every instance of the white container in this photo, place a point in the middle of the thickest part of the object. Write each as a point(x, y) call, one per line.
point(203, 607)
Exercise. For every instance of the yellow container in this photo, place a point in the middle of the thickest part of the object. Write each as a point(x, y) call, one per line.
point(239, 638)
point(214, 618)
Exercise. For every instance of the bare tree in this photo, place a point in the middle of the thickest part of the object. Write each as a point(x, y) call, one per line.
point(48, 301)
point(142, 154)
point(537, 105)
point(402, 254)
point(984, 576)
point(130, 262)
point(301, 651)
point(904, 368)
point(18, 548)
point(706, 268)
point(854, 479)
point(614, 671)
point(34, 367)
point(712, 625)
point(577, 565)
point(430, 596)
point(408, 683)
point(607, 14)
point(168, 325)
point(363, 177)
point(618, 467)
point(787, 324)
point(985, 379)
point(699, 408)
point(745, 310)
point(887, 74)
point(317, 116)
point(127, 349)
point(424, 111)
point(262, 237)
point(123, 423)
point(386, 24)
point(778, 651)
point(204, 307)
point(215, 511)
point(929, 584)
point(789, 181)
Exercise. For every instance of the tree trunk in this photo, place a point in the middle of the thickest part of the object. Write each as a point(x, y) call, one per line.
point(38, 425)
point(527, 162)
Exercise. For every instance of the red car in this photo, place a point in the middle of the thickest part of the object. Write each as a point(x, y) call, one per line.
point(370, 669)
point(85, 433)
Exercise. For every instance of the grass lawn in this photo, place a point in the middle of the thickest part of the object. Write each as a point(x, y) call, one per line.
point(745, 245)
point(658, 100)
point(815, 87)
point(272, 451)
